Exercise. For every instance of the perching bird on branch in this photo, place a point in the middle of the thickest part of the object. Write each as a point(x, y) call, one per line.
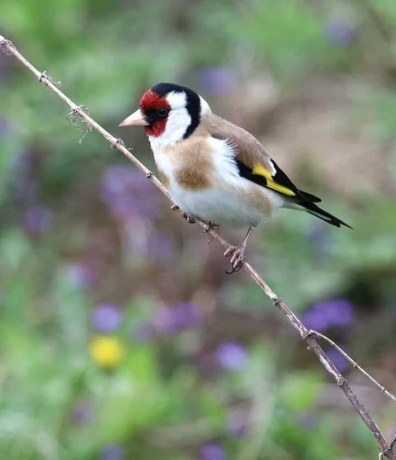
point(215, 170)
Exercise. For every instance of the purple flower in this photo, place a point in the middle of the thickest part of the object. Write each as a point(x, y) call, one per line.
point(216, 80)
point(173, 319)
point(338, 33)
point(339, 361)
point(231, 356)
point(81, 275)
point(128, 193)
point(37, 219)
point(212, 451)
point(106, 318)
point(332, 313)
point(83, 413)
point(112, 452)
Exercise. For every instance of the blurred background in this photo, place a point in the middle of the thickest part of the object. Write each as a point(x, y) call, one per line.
point(120, 335)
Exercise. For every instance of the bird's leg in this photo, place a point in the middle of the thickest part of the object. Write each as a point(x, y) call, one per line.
point(237, 254)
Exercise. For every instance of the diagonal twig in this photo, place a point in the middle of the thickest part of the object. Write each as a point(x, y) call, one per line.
point(385, 449)
point(381, 388)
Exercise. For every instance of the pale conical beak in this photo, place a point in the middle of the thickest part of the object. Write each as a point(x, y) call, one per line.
point(136, 119)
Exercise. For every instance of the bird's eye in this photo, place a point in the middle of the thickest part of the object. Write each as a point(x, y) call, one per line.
point(162, 112)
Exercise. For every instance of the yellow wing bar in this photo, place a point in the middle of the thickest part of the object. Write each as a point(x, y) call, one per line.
point(271, 183)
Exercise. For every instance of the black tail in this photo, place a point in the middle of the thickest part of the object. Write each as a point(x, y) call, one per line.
point(307, 201)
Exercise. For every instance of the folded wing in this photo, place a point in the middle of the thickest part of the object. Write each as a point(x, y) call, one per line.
point(256, 165)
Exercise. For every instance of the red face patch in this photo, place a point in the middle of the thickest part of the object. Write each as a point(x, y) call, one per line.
point(149, 104)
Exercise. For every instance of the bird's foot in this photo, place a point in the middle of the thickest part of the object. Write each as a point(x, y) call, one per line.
point(189, 218)
point(237, 254)
point(174, 207)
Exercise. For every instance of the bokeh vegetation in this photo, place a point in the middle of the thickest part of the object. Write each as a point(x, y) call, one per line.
point(120, 335)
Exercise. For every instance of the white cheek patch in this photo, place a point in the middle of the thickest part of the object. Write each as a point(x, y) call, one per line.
point(176, 126)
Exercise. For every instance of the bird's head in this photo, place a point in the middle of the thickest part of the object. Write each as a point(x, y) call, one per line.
point(169, 113)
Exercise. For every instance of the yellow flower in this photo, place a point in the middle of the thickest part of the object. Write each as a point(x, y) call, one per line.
point(106, 351)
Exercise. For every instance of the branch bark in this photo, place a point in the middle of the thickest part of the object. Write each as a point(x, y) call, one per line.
point(385, 448)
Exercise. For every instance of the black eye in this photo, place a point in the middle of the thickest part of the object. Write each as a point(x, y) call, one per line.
point(162, 112)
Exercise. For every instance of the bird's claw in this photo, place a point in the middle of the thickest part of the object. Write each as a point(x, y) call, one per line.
point(174, 207)
point(237, 254)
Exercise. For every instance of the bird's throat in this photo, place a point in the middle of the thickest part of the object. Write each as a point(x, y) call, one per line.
point(157, 128)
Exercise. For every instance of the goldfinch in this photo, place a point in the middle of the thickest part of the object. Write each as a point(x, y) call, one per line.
point(215, 170)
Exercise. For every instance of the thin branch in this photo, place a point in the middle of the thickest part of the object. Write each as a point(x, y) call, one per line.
point(381, 388)
point(385, 449)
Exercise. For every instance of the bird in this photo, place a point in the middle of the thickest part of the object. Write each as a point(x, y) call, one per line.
point(215, 170)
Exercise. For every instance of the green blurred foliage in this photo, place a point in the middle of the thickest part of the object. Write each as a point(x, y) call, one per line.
point(207, 364)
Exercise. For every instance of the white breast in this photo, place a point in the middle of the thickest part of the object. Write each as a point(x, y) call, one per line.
point(232, 200)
